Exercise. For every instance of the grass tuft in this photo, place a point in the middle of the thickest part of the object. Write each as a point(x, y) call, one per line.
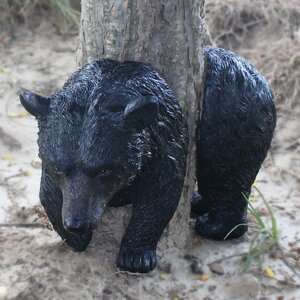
point(64, 12)
point(266, 235)
point(67, 10)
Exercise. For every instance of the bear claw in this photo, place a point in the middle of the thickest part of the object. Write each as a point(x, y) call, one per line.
point(137, 260)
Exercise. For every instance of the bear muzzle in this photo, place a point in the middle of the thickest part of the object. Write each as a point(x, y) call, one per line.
point(77, 225)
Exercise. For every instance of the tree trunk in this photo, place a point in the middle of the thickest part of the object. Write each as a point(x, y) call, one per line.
point(168, 35)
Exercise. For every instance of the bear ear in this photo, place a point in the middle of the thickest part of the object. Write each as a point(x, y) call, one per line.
point(34, 103)
point(142, 111)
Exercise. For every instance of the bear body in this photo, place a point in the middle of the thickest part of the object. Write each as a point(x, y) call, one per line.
point(234, 135)
point(113, 135)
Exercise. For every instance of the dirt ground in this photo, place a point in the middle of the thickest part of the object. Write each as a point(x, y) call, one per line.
point(35, 264)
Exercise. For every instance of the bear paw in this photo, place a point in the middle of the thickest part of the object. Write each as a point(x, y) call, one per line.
point(137, 260)
point(220, 227)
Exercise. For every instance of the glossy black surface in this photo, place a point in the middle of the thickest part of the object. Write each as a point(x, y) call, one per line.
point(238, 121)
point(113, 135)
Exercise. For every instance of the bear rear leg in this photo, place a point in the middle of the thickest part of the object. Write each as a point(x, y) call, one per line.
point(198, 205)
point(238, 119)
point(217, 224)
point(228, 225)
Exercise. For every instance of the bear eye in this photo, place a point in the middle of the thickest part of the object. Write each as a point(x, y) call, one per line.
point(104, 172)
point(97, 172)
point(56, 170)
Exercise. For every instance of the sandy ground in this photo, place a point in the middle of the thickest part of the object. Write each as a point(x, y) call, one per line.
point(35, 264)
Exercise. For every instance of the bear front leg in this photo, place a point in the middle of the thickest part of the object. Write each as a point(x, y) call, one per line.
point(138, 247)
point(157, 200)
point(52, 201)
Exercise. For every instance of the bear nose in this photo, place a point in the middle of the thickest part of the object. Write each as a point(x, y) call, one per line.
point(77, 225)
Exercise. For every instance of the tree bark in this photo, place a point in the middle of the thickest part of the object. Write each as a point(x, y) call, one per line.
point(169, 35)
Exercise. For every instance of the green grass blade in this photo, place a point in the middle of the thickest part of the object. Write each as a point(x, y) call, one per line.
point(270, 211)
point(255, 214)
point(265, 238)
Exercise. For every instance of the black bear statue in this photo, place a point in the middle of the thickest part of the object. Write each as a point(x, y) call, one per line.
point(116, 135)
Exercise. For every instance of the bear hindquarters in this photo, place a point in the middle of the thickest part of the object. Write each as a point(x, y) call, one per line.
point(52, 201)
point(238, 121)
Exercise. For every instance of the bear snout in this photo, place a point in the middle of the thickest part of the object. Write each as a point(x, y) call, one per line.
point(77, 225)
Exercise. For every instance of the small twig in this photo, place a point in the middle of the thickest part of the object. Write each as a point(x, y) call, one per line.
point(289, 282)
point(294, 174)
point(26, 225)
point(122, 273)
point(23, 173)
point(227, 257)
point(293, 145)
point(295, 241)
point(283, 258)
point(125, 293)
